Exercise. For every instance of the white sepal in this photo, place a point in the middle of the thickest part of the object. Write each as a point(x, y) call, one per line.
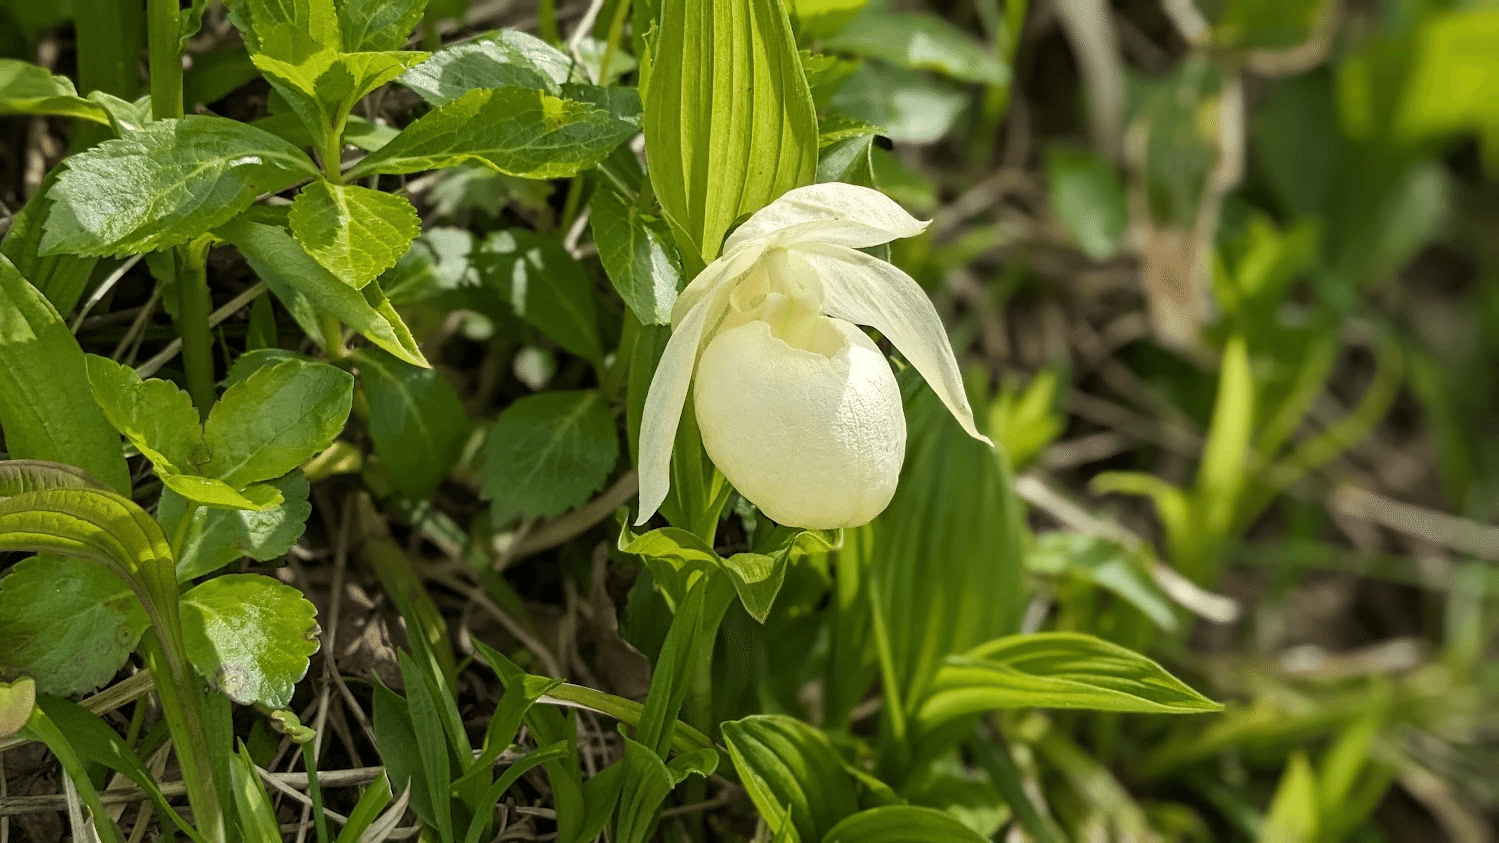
point(845, 214)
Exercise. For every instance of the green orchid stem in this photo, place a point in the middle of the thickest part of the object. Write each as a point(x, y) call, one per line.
point(333, 338)
point(193, 306)
point(182, 707)
point(164, 28)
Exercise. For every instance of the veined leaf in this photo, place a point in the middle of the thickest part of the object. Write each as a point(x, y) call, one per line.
point(165, 184)
point(377, 24)
point(784, 762)
point(729, 123)
point(217, 537)
point(26, 88)
point(639, 256)
point(547, 453)
point(287, 28)
point(514, 131)
point(505, 59)
point(155, 415)
point(675, 556)
point(250, 636)
point(544, 285)
point(902, 823)
point(1055, 670)
point(323, 87)
point(213, 492)
point(274, 420)
point(46, 409)
point(417, 422)
point(17, 477)
point(306, 288)
point(61, 278)
point(758, 579)
point(356, 233)
point(70, 623)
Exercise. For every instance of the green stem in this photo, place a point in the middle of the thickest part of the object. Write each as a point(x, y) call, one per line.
point(611, 41)
point(193, 305)
point(315, 790)
point(182, 708)
point(163, 22)
point(333, 337)
point(180, 534)
point(547, 23)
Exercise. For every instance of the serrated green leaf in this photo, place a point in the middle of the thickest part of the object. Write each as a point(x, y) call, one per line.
point(165, 184)
point(639, 256)
point(306, 288)
point(902, 823)
point(276, 419)
point(544, 285)
point(417, 422)
point(788, 765)
point(1055, 670)
point(209, 491)
point(505, 59)
point(287, 27)
point(70, 623)
point(46, 409)
point(515, 131)
point(377, 24)
point(217, 537)
point(729, 122)
point(155, 415)
point(26, 88)
point(250, 636)
point(920, 41)
point(547, 453)
point(16, 701)
point(356, 233)
point(323, 87)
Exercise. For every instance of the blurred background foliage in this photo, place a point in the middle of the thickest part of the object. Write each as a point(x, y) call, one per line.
point(1225, 275)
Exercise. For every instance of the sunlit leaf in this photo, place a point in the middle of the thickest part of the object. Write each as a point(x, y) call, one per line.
point(250, 636)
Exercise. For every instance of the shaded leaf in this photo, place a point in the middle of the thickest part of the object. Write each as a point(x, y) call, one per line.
point(217, 537)
point(505, 59)
point(417, 422)
point(639, 256)
point(784, 762)
point(547, 453)
point(902, 823)
point(1089, 200)
point(274, 420)
point(920, 41)
point(544, 285)
point(26, 88)
point(70, 623)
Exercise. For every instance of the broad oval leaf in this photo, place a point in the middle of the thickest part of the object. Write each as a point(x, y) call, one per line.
point(516, 131)
point(920, 41)
point(217, 537)
point(639, 256)
point(46, 409)
point(250, 636)
point(545, 286)
point(1055, 670)
point(547, 453)
point(787, 764)
point(306, 288)
point(70, 623)
point(902, 824)
point(356, 233)
point(417, 421)
point(729, 121)
point(274, 420)
point(155, 415)
point(505, 59)
point(165, 184)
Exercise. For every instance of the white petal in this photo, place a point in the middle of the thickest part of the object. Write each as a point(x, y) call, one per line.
point(815, 440)
point(869, 291)
point(668, 393)
point(846, 214)
point(725, 270)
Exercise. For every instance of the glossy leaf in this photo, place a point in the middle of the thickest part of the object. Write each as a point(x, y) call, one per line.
point(729, 123)
point(93, 524)
point(547, 453)
point(217, 537)
point(758, 579)
point(354, 232)
point(165, 184)
point(306, 288)
point(902, 823)
point(544, 285)
point(377, 24)
point(70, 623)
point(515, 131)
point(274, 420)
point(417, 423)
point(639, 256)
point(785, 762)
point(250, 636)
point(46, 409)
point(155, 415)
point(1055, 670)
point(504, 59)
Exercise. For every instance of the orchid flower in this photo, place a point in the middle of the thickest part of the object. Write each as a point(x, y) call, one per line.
point(797, 407)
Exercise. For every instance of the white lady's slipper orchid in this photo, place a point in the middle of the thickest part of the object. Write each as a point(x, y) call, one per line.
point(797, 407)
